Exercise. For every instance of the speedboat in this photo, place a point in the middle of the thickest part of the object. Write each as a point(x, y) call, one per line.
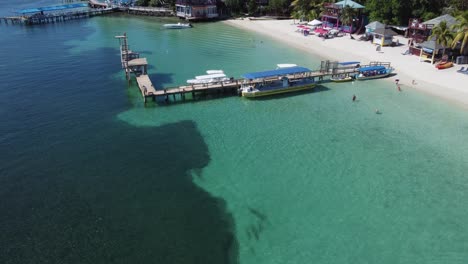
point(209, 78)
point(285, 65)
point(341, 78)
point(285, 80)
point(178, 25)
point(214, 71)
point(373, 72)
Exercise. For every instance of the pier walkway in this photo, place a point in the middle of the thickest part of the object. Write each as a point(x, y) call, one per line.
point(50, 14)
point(134, 65)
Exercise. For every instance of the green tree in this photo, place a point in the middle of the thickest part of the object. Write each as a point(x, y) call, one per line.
point(278, 6)
point(347, 15)
point(235, 6)
point(461, 31)
point(142, 2)
point(443, 35)
point(252, 7)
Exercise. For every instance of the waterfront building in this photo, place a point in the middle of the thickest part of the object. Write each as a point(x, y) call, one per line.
point(331, 16)
point(196, 9)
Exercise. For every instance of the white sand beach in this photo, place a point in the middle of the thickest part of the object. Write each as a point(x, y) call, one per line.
point(446, 84)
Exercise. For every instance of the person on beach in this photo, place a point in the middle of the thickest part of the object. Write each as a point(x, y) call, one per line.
point(413, 82)
point(354, 97)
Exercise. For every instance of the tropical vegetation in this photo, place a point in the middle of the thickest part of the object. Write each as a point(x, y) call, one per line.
point(443, 35)
point(461, 31)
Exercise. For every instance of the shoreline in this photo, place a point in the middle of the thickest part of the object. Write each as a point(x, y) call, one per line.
point(445, 84)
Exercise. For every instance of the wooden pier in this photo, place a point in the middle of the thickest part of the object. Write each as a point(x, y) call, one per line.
point(39, 18)
point(134, 65)
point(97, 8)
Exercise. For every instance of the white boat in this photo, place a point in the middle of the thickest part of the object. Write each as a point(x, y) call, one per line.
point(285, 65)
point(214, 71)
point(209, 78)
point(178, 25)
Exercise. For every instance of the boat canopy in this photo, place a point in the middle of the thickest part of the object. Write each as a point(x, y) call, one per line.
point(372, 68)
point(349, 62)
point(278, 72)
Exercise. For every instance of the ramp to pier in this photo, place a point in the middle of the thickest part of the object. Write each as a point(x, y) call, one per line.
point(145, 85)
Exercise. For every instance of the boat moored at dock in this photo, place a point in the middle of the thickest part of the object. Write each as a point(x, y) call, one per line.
point(284, 80)
point(341, 78)
point(178, 26)
point(285, 65)
point(219, 77)
point(373, 72)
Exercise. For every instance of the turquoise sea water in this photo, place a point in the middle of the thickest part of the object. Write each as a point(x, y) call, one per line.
point(90, 175)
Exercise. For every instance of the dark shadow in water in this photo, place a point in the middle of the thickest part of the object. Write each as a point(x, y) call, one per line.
point(144, 52)
point(161, 79)
point(121, 195)
point(79, 186)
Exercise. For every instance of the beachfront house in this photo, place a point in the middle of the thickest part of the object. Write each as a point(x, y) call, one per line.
point(420, 31)
point(332, 14)
point(196, 9)
point(383, 36)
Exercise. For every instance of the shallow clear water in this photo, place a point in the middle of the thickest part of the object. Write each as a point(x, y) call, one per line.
point(90, 175)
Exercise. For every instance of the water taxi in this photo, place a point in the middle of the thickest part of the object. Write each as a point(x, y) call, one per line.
point(284, 80)
point(373, 72)
point(178, 25)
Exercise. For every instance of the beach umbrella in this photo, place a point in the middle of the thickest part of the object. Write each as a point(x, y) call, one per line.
point(315, 22)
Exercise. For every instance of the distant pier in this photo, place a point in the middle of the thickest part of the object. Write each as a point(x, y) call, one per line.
point(134, 65)
point(37, 16)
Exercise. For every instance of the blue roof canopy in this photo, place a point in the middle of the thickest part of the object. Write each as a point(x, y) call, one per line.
point(278, 72)
point(372, 68)
point(51, 8)
point(349, 62)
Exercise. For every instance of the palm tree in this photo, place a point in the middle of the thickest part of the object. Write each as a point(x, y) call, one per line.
point(442, 34)
point(461, 31)
point(347, 14)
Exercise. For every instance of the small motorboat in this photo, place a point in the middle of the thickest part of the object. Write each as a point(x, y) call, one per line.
point(178, 25)
point(214, 71)
point(444, 65)
point(285, 65)
point(209, 79)
point(341, 78)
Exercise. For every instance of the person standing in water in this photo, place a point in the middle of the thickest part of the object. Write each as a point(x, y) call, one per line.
point(354, 97)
